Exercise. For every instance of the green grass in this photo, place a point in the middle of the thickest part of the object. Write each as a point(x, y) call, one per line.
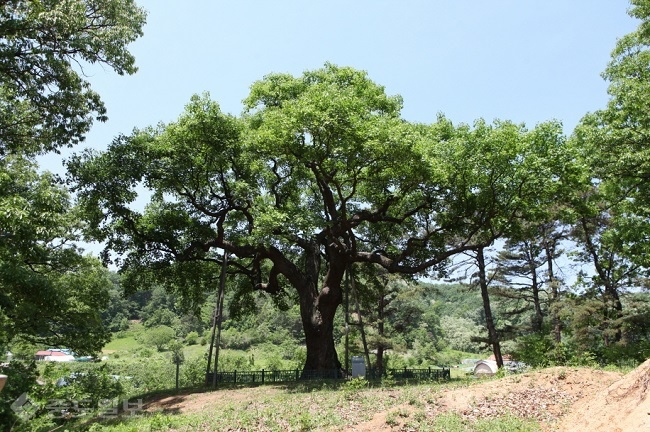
point(123, 345)
point(194, 351)
point(294, 406)
point(455, 423)
point(313, 406)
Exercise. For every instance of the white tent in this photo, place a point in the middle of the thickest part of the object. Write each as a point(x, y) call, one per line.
point(485, 367)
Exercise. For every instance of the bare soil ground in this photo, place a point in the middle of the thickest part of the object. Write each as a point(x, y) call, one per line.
point(561, 399)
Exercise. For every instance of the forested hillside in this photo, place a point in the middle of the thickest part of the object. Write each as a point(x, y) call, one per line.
point(423, 323)
point(411, 323)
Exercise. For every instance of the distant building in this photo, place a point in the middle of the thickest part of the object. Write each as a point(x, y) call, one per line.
point(53, 354)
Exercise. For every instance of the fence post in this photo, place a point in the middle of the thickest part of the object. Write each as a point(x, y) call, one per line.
point(262, 376)
point(234, 377)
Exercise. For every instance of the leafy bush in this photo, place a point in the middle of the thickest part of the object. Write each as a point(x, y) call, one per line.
point(193, 372)
point(67, 389)
point(388, 380)
point(159, 336)
point(352, 387)
point(535, 350)
point(23, 380)
point(449, 357)
point(274, 363)
point(90, 387)
point(144, 352)
point(147, 374)
point(231, 361)
point(236, 339)
point(191, 338)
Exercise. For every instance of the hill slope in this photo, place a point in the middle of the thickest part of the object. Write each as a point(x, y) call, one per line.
point(560, 399)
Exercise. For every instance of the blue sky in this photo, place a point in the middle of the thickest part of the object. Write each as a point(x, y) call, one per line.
point(521, 60)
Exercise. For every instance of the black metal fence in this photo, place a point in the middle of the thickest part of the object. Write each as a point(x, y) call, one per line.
point(421, 374)
point(263, 376)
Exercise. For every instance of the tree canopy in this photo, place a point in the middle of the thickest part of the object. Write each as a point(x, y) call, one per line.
point(45, 46)
point(614, 140)
point(318, 173)
point(50, 292)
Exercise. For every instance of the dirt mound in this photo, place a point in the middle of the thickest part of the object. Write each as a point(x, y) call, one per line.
point(545, 396)
point(564, 399)
point(622, 407)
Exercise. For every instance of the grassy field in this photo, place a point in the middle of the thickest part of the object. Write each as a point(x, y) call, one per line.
point(305, 407)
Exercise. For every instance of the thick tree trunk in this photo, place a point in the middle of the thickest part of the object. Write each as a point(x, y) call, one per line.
point(319, 337)
point(489, 321)
point(317, 310)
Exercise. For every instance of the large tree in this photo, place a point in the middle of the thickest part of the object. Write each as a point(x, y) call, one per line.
point(615, 140)
point(50, 292)
point(506, 176)
point(320, 172)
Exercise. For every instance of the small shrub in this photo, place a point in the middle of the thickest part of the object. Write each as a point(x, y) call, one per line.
point(391, 419)
point(587, 359)
point(305, 422)
point(536, 350)
point(274, 363)
point(352, 388)
point(230, 361)
point(160, 422)
point(355, 384)
point(144, 353)
point(193, 374)
point(191, 338)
